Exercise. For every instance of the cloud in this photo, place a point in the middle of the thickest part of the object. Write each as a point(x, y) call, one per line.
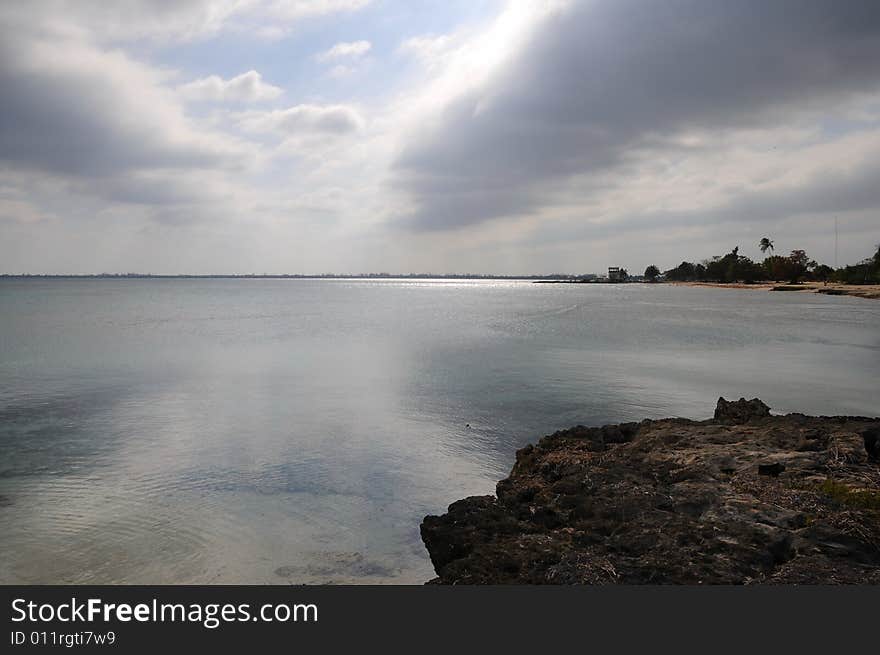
point(68, 107)
point(350, 50)
point(339, 71)
point(555, 135)
point(247, 87)
point(87, 130)
point(20, 211)
point(296, 9)
point(430, 49)
point(594, 88)
point(304, 119)
point(125, 19)
point(274, 19)
point(177, 21)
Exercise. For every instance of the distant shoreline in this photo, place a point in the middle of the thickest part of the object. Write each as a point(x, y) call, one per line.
point(870, 291)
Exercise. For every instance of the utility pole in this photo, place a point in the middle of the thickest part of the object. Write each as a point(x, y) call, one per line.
point(835, 243)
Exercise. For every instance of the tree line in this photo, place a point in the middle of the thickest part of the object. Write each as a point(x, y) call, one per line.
point(793, 268)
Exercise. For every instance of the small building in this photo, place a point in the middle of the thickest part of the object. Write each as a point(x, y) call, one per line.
point(616, 274)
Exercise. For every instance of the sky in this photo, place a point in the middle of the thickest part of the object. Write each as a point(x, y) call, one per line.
point(448, 136)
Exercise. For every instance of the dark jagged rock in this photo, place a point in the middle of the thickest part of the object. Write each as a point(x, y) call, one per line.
point(744, 498)
point(871, 436)
point(740, 411)
point(773, 469)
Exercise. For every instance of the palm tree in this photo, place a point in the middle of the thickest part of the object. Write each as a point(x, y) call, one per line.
point(765, 245)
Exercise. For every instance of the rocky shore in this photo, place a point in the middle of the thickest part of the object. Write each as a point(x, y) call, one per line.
point(743, 498)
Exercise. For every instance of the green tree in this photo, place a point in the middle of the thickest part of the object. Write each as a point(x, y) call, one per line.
point(823, 272)
point(733, 267)
point(866, 271)
point(684, 272)
point(799, 262)
point(765, 244)
point(777, 267)
point(652, 273)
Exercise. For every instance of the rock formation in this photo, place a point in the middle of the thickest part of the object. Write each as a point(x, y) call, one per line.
point(743, 498)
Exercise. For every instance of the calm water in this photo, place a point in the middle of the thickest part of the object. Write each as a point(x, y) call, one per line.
point(287, 431)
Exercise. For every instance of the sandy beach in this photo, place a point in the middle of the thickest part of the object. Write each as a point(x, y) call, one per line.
point(860, 291)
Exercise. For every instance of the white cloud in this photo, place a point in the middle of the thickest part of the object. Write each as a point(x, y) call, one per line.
point(295, 9)
point(304, 119)
point(430, 49)
point(247, 87)
point(178, 20)
point(345, 50)
point(339, 71)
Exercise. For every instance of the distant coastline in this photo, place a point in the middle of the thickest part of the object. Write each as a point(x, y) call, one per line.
point(871, 291)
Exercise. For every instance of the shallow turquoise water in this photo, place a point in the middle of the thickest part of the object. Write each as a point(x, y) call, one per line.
point(287, 431)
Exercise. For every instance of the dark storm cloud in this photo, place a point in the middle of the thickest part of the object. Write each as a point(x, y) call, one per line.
point(854, 191)
point(600, 79)
point(69, 108)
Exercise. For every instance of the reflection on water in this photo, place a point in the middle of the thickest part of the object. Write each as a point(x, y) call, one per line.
point(289, 431)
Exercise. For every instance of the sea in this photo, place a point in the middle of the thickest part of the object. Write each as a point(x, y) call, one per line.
point(295, 431)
